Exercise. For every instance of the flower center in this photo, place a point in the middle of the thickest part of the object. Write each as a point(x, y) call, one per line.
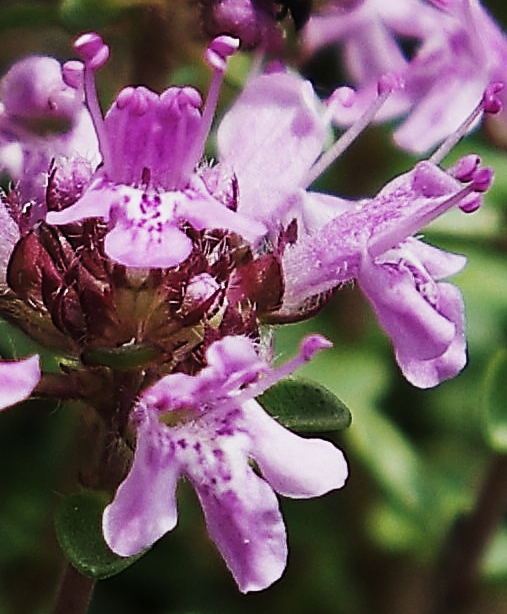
point(146, 135)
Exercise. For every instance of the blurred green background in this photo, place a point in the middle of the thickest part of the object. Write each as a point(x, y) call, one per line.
point(417, 458)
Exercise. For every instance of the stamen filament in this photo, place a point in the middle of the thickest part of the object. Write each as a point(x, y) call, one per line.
point(309, 347)
point(449, 143)
point(216, 55)
point(348, 137)
point(489, 103)
point(94, 53)
point(381, 243)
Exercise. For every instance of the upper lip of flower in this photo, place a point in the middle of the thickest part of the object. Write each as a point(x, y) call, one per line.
point(150, 147)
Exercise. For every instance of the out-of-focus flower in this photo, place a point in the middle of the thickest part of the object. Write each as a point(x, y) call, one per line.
point(17, 380)
point(253, 22)
point(42, 118)
point(457, 50)
point(209, 428)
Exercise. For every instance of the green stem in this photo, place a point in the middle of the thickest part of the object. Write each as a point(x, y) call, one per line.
point(459, 571)
point(74, 592)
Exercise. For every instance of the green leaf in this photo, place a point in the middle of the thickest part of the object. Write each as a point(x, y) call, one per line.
point(495, 402)
point(303, 405)
point(125, 357)
point(78, 529)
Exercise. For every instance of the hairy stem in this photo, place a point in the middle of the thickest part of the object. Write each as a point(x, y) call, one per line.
point(460, 566)
point(74, 592)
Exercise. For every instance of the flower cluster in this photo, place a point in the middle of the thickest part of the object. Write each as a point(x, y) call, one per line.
point(156, 274)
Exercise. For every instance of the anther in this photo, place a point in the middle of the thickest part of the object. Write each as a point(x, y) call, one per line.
point(313, 344)
point(92, 50)
point(219, 50)
point(482, 180)
point(73, 74)
point(466, 167)
point(491, 103)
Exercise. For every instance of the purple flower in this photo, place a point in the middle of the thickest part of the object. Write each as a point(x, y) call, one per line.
point(369, 240)
point(373, 243)
point(459, 50)
point(209, 428)
point(149, 186)
point(42, 118)
point(17, 380)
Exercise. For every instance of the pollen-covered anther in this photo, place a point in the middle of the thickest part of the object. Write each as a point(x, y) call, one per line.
point(491, 104)
point(92, 50)
point(219, 50)
point(73, 73)
point(482, 179)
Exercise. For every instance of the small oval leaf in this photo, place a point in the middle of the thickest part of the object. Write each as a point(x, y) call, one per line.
point(305, 406)
point(78, 523)
point(495, 402)
point(125, 357)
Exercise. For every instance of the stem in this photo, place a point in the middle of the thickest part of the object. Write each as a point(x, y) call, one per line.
point(74, 592)
point(460, 567)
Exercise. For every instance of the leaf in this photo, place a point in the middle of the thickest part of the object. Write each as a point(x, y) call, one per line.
point(495, 402)
point(303, 405)
point(125, 357)
point(78, 529)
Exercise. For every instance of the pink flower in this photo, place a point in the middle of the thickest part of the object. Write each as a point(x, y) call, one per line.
point(149, 186)
point(208, 428)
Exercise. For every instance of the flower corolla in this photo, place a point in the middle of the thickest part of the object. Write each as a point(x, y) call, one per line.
point(209, 428)
point(371, 241)
point(149, 186)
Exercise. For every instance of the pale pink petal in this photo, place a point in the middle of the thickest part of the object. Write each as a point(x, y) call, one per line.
point(17, 380)
point(429, 373)
point(286, 133)
point(294, 466)
point(144, 507)
point(139, 246)
point(245, 523)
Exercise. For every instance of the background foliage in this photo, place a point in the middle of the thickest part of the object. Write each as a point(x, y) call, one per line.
point(418, 459)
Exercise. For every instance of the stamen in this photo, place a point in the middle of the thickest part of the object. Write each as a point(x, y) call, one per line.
point(419, 219)
point(308, 348)
point(387, 83)
point(94, 54)
point(216, 55)
point(73, 74)
point(489, 103)
point(466, 167)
